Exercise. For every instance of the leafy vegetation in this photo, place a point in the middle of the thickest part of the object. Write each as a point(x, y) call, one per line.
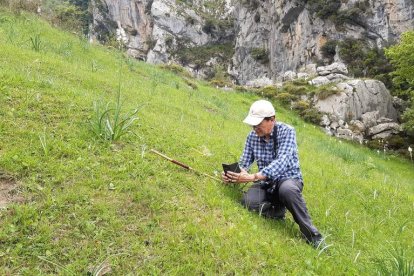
point(364, 61)
point(402, 57)
point(17, 6)
point(260, 54)
point(328, 50)
point(201, 54)
point(110, 124)
point(326, 9)
point(92, 206)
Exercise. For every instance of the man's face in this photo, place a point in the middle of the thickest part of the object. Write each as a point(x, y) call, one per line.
point(264, 128)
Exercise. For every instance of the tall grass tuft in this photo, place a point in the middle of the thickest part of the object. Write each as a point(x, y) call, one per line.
point(109, 123)
point(397, 264)
point(36, 43)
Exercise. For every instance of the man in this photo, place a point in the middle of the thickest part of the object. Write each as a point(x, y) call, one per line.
point(278, 184)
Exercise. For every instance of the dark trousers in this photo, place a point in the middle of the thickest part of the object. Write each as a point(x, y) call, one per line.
point(271, 200)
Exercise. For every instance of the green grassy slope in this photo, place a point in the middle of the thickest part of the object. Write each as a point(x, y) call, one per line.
point(161, 218)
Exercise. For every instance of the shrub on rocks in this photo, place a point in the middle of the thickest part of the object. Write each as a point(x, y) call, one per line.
point(312, 115)
point(301, 105)
point(396, 142)
point(285, 98)
point(269, 91)
point(324, 92)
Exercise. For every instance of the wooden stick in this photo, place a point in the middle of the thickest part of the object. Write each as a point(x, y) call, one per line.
point(183, 165)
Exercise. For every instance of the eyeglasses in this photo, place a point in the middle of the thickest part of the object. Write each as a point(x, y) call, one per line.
point(257, 126)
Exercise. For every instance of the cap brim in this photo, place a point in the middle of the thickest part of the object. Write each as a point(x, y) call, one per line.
point(253, 121)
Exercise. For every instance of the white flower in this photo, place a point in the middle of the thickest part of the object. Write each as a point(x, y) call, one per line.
point(410, 149)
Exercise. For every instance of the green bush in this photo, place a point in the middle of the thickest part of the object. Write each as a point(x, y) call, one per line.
point(408, 118)
point(220, 83)
point(251, 4)
point(324, 92)
point(324, 8)
point(285, 98)
point(269, 91)
point(300, 82)
point(312, 115)
point(209, 26)
point(17, 6)
point(240, 88)
point(260, 54)
point(402, 57)
point(301, 105)
point(352, 16)
point(364, 61)
point(201, 54)
point(396, 142)
point(352, 52)
point(72, 15)
point(176, 69)
point(375, 144)
point(328, 50)
point(291, 88)
point(69, 16)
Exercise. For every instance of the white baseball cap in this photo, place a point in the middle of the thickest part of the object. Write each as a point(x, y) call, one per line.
point(258, 111)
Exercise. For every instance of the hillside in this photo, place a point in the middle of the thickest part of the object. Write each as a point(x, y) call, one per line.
point(83, 205)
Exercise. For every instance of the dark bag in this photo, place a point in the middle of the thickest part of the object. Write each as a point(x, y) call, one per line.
point(271, 187)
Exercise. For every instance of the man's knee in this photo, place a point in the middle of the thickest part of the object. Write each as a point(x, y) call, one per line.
point(253, 198)
point(288, 191)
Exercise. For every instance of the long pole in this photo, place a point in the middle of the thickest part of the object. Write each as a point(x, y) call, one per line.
point(183, 165)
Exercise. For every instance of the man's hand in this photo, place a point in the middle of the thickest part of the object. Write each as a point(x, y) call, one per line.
point(242, 177)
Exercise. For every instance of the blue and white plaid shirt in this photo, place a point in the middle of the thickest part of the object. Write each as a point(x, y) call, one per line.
point(275, 167)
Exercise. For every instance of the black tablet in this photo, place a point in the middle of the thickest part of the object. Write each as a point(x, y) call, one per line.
point(231, 167)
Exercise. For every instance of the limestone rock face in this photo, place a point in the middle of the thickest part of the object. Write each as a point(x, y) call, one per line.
point(334, 68)
point(358, 97)
point(293, 36)
point(386, 127)
point(154, 29)
point(110, 17)
point(369, 119)
point(362, 110)
point(287, 33)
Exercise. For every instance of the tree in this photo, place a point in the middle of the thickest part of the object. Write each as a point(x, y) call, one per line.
point(402, 57)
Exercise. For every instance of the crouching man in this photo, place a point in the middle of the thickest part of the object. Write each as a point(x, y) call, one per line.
point(278, 184)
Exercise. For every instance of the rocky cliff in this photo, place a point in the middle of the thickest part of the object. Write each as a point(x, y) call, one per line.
point(292, 33)
point(268, 37)
point(159, 31)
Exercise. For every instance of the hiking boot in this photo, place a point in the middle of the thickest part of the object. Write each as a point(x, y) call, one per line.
point(317, 242)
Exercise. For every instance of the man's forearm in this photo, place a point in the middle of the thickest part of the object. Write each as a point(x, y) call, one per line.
point(259, 177)
point(255, 177)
